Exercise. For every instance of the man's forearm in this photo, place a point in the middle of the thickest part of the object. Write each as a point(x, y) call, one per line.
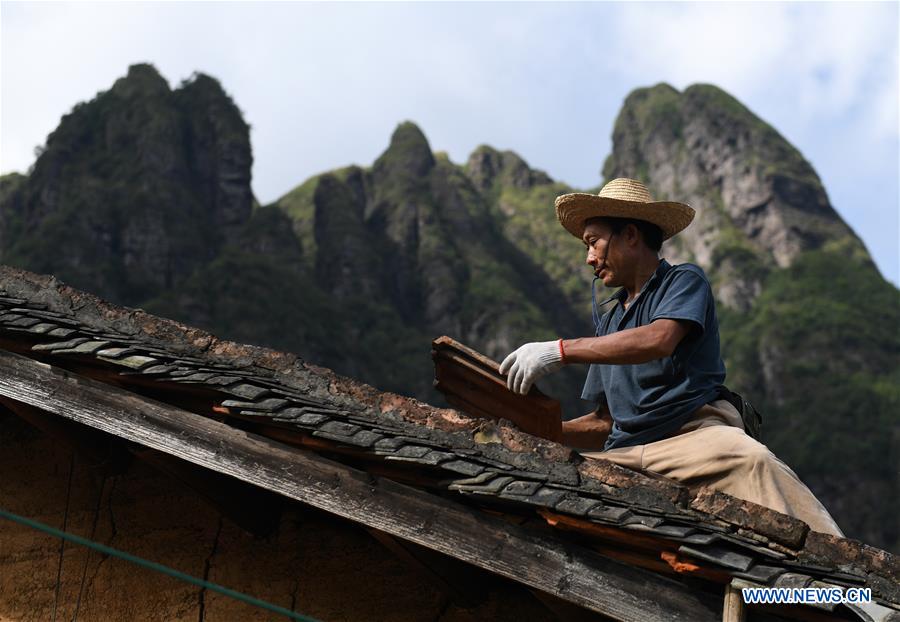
point(627, 347)
point(589, 431)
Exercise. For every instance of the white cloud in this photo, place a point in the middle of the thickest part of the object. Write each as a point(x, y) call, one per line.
point(812, 62)
point(732, 45)
point(886, 100)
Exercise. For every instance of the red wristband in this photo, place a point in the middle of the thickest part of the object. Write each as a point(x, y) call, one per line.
point(562, 352)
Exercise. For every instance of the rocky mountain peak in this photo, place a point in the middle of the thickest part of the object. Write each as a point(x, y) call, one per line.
point(200, 81)
point(215, 127)
point(759, 202)
point(142, 80)
point(135, 188)
point(408, 155)
point(488, 166)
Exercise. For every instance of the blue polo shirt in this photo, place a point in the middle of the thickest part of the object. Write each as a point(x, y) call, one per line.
point(650, 401)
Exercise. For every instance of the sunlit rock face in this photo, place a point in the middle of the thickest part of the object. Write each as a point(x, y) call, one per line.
point(759, 202)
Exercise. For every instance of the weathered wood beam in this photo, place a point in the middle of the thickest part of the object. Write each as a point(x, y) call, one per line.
point(543, 562)
point(733, 609)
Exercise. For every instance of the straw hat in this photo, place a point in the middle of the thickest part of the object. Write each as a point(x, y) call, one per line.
point(622, 198)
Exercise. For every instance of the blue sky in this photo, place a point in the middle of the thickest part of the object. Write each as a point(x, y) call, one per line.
point(324, 85)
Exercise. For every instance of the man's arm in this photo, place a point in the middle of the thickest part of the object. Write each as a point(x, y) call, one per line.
point(630, 346)
point(589, 431)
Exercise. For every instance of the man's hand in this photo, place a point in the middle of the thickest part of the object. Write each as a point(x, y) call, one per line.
point(530, 362)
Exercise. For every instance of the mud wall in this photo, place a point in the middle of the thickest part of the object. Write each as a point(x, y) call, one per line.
point(314, 563)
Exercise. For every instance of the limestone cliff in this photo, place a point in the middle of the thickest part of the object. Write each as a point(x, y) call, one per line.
point(135, 189)
point(759, 202)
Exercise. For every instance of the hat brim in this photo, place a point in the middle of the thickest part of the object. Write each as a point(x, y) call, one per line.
point(574, 208)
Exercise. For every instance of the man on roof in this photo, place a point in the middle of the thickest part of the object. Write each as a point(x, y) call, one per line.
point(656, 373)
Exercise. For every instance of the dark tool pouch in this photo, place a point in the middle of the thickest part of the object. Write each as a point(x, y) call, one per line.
point(751, 417)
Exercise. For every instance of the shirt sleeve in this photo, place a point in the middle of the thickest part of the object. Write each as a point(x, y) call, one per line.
point(687, 296)
point(593, 386)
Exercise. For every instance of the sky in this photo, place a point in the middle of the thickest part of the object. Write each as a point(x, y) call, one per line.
point(323, 85)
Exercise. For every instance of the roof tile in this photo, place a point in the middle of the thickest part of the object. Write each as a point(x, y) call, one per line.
point(463, 467)
point(667, 492)
point(577, 505)
point(775, 525)
point(718, 555)
point(248, 391)
point(609, 513)
point(822, 547)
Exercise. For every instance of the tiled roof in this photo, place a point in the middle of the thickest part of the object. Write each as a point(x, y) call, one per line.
point(643, 520)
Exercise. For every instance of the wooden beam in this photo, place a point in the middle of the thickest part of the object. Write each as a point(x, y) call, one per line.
point(544, 562)
point(733, 609)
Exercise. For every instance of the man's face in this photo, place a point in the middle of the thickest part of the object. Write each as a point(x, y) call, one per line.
point(602, 253)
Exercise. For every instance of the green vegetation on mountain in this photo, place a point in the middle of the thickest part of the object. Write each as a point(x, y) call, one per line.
point(820, 355)
point(142, 196)
point(413, 234)
point(11, 212)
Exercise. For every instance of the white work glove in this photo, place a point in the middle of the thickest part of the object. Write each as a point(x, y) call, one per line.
point(530, 362)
